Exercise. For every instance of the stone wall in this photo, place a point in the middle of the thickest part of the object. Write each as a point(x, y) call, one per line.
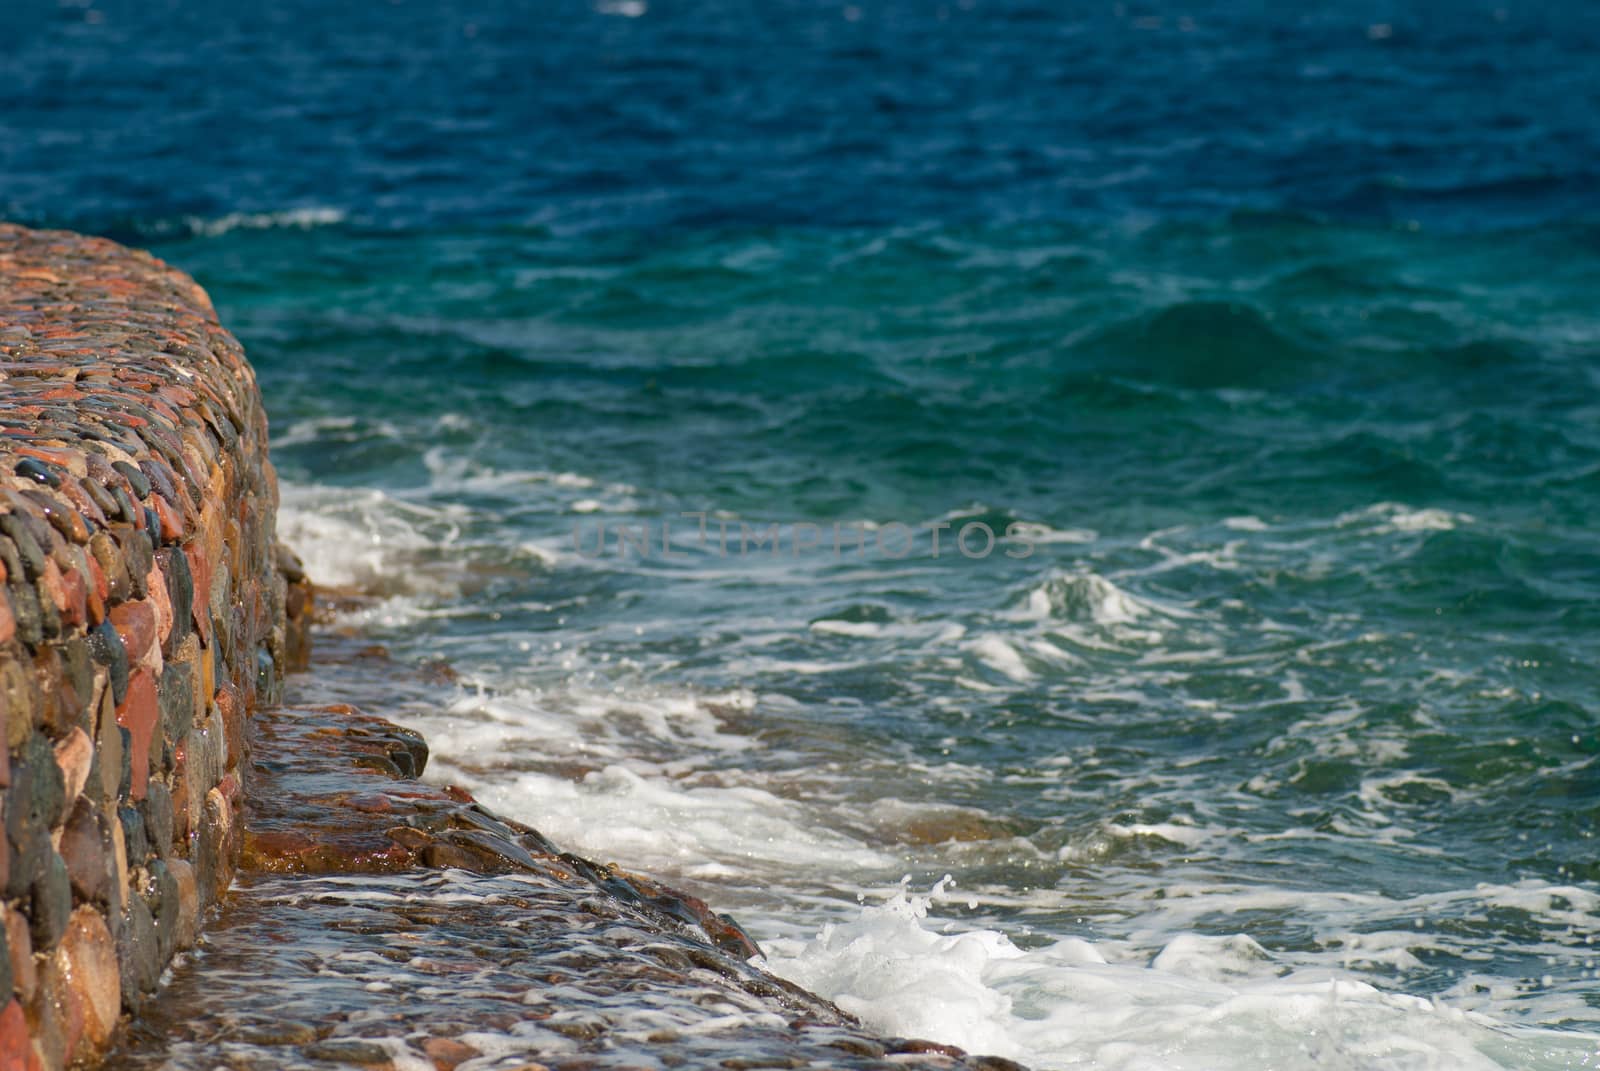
point(142, 616)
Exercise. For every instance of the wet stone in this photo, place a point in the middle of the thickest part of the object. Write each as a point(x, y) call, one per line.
point(55, 1025)
point(5, 964)
point(28, 846)
point(213, 865)
point(105, 647)
point(289, 564)
point(136, 479)
point(29, 553)
point(177, 699)
point(188, 897)
point(105, 778)
point(27, 613)
point(230, 709)
point(392, 943)
point(140, 714)
point(77, 665)
point(39, 471)
point(348, 1050)
point(161, 896)
point(137, 846)
point(138, 954)
point(267, 677)
point(160, 481)
point(17, 694)
point(381, 763)
point(67, 521)
point(125, 778)
point(157, 811)
point(47, 712)
point(48, 796)
point(74, 755)
point(995, 1063)
point(472, 817)
point(10, 564)
point(50, 902)
point(135, 622)
point(500, 853)
point(101, 498)
point(167, 522)
point(92, 973)
point(126, 509)
point(86, 851)
point(444, 855)
point(180, 593)
point(414, 839)
point(448, 1053)
point(279, 1033)
point(19, 943)
point(108, 555)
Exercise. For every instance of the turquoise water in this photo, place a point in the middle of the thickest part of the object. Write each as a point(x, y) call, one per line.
point(1264, 735)
point(1301, 648)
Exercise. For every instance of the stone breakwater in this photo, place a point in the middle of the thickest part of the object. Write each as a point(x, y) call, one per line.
point(147, 620)
point(387, 924)
point(143, 613)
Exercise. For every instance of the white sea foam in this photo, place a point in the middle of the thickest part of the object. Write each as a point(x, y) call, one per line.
point(367, 539)
point(1218, 1003)
point(452, 473)
point(292, 218)
point(847, 628)
point(1399, 517)
point(1044, 535)
point(674, 826)
point(615, 782)
point(332, 428)
point(1084, 596)
point(689, 784)
point(1000, 656)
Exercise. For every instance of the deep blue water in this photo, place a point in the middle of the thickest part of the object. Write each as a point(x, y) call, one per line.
point(1274, 330)
point(1472, 116)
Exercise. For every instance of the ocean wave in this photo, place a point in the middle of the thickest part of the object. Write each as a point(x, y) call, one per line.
point(1204, 344)
point(1201, 1002)
point(286, 219)
point(1383, 517)
point(1085, 596)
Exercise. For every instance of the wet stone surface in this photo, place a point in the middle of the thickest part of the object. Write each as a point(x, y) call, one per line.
point(443, 968)
point(383, 922)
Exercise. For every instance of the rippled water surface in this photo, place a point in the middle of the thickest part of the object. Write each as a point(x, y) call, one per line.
point(1267, 739)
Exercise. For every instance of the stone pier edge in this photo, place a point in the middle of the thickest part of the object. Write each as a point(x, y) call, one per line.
point(145, 610)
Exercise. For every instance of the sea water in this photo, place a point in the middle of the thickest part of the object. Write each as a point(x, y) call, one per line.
point(1262, 342)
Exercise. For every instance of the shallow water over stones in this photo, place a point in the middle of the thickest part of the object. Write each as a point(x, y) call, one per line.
point(381, 922)
point(435, 968)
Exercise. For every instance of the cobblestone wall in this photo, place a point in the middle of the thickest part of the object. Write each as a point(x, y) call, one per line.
point(142, 616)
